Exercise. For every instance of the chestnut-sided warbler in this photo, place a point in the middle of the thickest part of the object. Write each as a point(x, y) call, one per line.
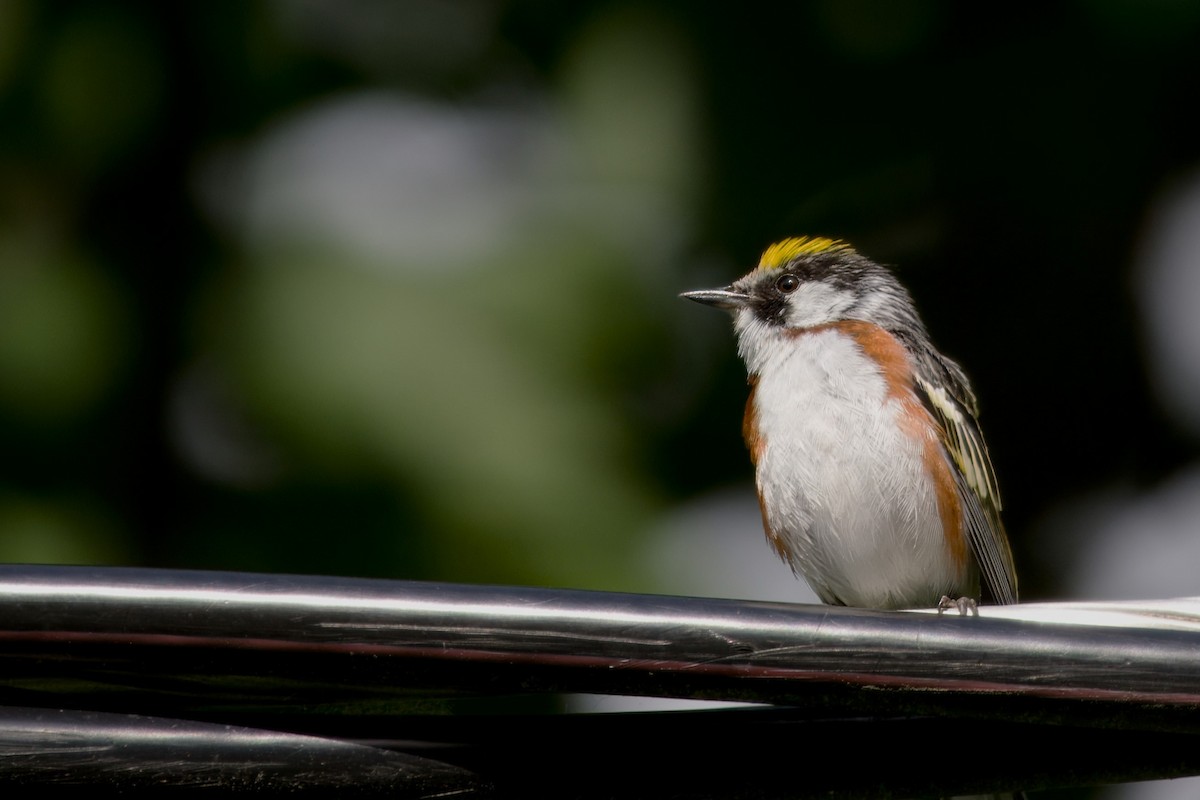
point(873, 477)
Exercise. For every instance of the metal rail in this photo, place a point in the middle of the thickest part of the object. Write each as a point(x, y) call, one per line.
point(357, 660)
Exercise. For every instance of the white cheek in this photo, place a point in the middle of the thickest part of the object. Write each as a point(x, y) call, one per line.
point(817, 304)
point(813, 304)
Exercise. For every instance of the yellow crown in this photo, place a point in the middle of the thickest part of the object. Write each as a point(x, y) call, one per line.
point(780, 253)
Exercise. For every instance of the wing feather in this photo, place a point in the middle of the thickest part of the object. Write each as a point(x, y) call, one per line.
point(944, 390)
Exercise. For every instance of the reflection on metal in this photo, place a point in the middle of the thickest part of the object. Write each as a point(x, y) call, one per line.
point(137, 754)
point(352, 658)
point(1181, 614)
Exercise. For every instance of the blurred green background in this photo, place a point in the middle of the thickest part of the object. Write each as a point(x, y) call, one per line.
point(390, 289)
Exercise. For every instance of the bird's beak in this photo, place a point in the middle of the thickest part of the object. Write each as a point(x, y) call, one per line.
point(721, 298)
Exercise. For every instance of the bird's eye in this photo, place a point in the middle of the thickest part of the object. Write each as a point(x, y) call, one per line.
point(787, 284)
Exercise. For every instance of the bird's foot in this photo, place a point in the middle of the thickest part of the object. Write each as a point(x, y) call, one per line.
point(967, 607)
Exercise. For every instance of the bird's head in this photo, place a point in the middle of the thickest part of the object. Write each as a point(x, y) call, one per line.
point(805, 283)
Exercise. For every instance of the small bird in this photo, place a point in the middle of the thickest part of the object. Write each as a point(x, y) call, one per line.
point(873, 478)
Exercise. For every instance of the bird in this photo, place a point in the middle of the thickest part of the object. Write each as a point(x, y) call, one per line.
point(873, 478)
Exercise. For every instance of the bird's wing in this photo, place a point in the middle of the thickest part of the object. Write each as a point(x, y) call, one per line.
point(944, 390)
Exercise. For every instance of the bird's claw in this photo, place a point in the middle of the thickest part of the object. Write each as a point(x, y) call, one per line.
point(967, 607)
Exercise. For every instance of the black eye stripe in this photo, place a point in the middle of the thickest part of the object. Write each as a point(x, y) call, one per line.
point(772, 310)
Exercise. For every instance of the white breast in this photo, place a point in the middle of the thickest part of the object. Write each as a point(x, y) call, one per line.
point(845, 490)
